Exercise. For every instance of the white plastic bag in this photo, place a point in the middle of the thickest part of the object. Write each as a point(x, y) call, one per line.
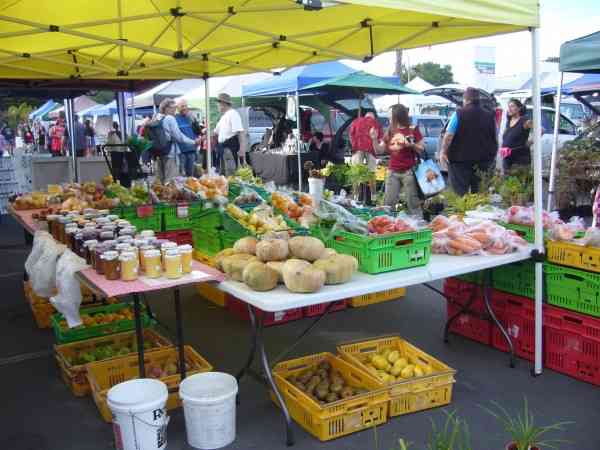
point(68, 299)
point(40, 240)
point(43, 279)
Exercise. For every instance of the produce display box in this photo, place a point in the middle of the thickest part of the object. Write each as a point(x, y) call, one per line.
point(42, 311)
point(470, 325)
point(204, 258)
point(460, 292)
point(240, 309)
point(517, 316)
point(572, 289)
point(572, 255)
point(384, 253)
point(105, 374)
point(181, 237)
point(180, 216)
point(317, 310)
point(144, 217)
point(235, 189)
point(81, 333)
point(525, 231)
point(516, 278)
point(229, 239)
point(212, 293)
point(336, 419)
point(376, 297)
point(207, 242)
point(210, 219)
point(74, 375)
point(412, 394)
point(572, 344)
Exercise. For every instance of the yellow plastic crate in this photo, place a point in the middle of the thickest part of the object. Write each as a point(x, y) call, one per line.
point(212, 293)
point(338, 418)
point(413, 394)
point(74, 376)
point(203, 258)
point(105, 374)
point(572, 255)
point(377, 297)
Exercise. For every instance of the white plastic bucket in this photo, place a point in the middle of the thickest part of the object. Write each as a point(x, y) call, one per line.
point(209, 409)
point(139, 414)
point(315, 189)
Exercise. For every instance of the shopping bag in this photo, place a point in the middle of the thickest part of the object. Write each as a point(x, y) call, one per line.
point(429, 178)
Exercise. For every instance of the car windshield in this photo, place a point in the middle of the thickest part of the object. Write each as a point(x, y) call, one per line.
point(573, 111)
point(429, 127)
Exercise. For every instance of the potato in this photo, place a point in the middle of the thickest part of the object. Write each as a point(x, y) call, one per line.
point(332, 397)
point(306, 247)
point(418, 371)
point(234, 265)
point(277, 266)
point(339, 268)
point(246, 245)
point(301, 276)
point(393, 356)
point(272, 250)
point(219, 257)
point(379, 362)
point(260, 277)
point(401, 363)
point(396, 371)
point(347, 392)
point(327, 253)
point(408, 371)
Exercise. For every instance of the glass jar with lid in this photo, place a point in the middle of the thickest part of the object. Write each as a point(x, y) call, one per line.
point(172, 262)
point(129, 266)
point(152, 265)
point(186, 257)
point(112, 269)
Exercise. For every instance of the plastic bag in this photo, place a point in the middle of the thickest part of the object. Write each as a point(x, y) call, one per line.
point(330, 212)
point(388, 224)
point(591, 238)
point(429, 178)
point(247, 196)
point(40, 240)
point(68, 299)
point(43, 279)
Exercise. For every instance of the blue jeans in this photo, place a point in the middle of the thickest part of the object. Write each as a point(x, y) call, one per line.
point(186, 163)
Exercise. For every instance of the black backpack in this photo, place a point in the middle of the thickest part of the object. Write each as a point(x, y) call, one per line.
point(155, 132)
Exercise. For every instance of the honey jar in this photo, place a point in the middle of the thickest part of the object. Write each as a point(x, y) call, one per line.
point(152, 265)
point(129, 266)
point(112, 269)
point(166, 246)
point(172, 262)
point(186, 257)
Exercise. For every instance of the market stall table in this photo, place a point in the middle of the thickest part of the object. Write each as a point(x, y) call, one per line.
point(281, 168)
point(25, 218)
point(99, 285)
point(280, 299)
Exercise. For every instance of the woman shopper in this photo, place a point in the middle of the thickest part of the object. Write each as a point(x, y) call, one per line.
point(403, 143)
point(90, 138)
point(515, 140)
point(57, 137)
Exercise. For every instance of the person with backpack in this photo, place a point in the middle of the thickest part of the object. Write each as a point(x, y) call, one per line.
point(166, 139)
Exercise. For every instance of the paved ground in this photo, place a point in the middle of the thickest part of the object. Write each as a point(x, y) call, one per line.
point(39, 413)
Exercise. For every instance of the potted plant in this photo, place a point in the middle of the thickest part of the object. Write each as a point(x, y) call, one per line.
point(453, 435)
point(523, 431)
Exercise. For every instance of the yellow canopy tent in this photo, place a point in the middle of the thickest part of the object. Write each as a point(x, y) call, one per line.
point(171, 39)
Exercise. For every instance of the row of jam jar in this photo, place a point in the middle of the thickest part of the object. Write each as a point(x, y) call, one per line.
point(58, 224)
point(153, 257)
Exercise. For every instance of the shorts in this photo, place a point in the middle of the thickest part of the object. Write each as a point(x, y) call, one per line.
point(359, 158)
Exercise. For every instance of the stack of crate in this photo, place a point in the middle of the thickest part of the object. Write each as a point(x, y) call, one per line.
point(8, 182)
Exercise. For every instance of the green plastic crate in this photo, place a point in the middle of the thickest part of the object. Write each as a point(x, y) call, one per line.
point(180, 216)
point(145, 217)
point(210, 219)
point(80, 334)
point(235, 228)
point(235, 189)
point(208, 243)
point(228, 239)
point(573, 289)
point(377, 254)
point(527, 232)
point(517, 278)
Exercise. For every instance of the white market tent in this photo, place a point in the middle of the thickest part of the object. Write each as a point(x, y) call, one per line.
point(168, 39)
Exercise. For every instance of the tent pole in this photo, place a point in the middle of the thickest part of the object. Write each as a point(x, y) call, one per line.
point(537, 193)
point(555, 143)
point(299, 142)
point(70, 119)
point(132, 113)
point(208, 132)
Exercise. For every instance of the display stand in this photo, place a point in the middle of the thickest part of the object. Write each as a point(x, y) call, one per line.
point(102, 287)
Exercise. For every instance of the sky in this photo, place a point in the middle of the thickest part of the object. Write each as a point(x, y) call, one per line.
point(513, 51)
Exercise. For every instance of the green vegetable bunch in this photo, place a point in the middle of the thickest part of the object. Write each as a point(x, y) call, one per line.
point(460, 205)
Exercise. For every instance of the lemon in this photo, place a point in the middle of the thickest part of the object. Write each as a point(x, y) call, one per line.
point(418, 371)
point(379, 362)
point(393, 356)
point(408, 371)
point(401, 363)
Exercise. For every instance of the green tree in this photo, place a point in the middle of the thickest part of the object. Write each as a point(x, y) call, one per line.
point(17, 114)
point(431, 72)
point(103, 97)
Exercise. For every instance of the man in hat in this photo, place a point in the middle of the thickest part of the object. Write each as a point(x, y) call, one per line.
point(470, 143)
point(231, 137)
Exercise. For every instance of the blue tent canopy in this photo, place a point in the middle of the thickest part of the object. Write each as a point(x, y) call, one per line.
point(586, 83)
point(45, 108)
point(295, 79)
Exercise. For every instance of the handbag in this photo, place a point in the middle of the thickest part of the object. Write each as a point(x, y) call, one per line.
point(429, 177)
